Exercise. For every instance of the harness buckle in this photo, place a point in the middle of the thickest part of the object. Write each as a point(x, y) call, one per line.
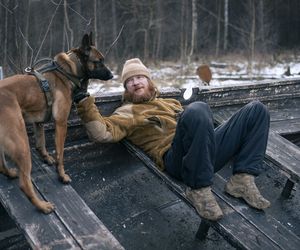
point(28, 70)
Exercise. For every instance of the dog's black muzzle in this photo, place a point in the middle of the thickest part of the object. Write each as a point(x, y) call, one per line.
point(101, 74)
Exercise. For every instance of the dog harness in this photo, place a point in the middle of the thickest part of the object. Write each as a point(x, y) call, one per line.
point(44, 83)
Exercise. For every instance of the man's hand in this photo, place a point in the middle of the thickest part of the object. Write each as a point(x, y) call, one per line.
point(80, 94)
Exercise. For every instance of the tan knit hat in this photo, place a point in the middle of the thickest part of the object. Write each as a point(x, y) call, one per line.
point(133, 67)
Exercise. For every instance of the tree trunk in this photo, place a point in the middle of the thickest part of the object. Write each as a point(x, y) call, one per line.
point(252, 37)
point(182, 31)
point(261, 25)
point(26, 33)
point(218, 28)
point(158, 41)
point(96, 34)
point(225, 42)
point(146, 45)
point(114, 28)
point(194, 30)
point(71, 40)
point(51, 41)
point(5, 36)
point(64, 36)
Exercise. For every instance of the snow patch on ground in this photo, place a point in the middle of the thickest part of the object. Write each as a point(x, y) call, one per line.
point(175, 75)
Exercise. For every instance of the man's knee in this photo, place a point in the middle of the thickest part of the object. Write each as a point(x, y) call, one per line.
point(197, 113)
point(258, 108)
point(197, 109)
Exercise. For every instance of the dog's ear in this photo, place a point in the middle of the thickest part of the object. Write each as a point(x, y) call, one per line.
point(85, 45)
point(91, 39)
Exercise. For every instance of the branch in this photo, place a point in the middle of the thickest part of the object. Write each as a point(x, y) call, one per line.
point(229, 24)
point(47, 30)
point(6, 8)
point(27, 43)
point(106, 53)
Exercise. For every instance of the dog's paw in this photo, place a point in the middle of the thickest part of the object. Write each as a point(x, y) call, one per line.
point(12, 173)
point(9, 172)
point(49, 160)
point(46, 207)
point(66, 179)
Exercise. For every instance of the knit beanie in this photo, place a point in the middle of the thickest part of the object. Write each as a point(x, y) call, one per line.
point(133, 67)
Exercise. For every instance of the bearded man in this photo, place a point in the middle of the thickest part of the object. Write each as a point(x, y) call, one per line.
point(184, 142)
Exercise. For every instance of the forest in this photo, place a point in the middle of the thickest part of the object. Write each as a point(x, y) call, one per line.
point(154, 30)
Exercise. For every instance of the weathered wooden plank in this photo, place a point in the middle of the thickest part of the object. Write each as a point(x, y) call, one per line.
point(243, 227)
point(284, 154)
point(241, 94)
point(266, 224)
point(277, 114)
point(282, 122)
point(71, 226)
point(286, 127)
point(284, 113)
point(40, 230)
point(84, 226)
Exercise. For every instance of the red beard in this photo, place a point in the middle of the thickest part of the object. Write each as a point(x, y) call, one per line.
point(149, 95)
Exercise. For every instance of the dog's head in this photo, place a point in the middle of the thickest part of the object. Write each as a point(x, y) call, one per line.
point(92, 60)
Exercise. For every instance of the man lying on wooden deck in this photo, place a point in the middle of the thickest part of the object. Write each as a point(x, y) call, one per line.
point(184, 142)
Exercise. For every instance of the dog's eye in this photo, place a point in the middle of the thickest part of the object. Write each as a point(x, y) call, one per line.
point(97, 62)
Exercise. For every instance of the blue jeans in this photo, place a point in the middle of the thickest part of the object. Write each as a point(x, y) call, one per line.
point(198, 149)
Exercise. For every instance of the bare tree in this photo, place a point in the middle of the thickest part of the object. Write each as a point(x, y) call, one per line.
point(68, 27)
point(182, 29)
point(6, 35)
point(96, 13)
point(225, 42)
point(158, 40)
point(261, 23)
point(252, 36)
point(114, 25)
point(194, 29)
point(218, 29)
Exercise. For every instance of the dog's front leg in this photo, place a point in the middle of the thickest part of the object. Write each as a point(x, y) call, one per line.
point(40, 143)
point(60, 136)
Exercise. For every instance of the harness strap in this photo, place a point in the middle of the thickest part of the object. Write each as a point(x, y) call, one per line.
point(53, 65)
point(76, 82)
point(44, 84)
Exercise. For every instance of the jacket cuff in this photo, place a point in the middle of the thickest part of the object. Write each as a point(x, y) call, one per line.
point(87, 110)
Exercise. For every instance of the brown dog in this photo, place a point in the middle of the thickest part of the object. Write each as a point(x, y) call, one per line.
point(23, 99)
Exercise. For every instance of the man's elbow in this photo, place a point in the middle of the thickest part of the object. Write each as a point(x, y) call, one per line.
point(97, 132)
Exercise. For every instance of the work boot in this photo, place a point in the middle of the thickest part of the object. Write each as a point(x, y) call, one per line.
point(205, 203)
point(243, 186)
